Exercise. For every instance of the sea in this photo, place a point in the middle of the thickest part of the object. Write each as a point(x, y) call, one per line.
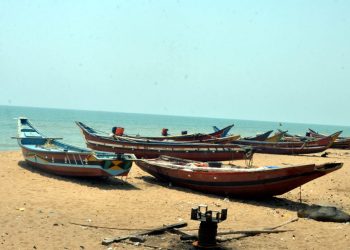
point(61, 123)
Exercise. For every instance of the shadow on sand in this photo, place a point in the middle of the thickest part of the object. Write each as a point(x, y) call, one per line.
point(105, 183)
point(271, 202)
point(326, 155)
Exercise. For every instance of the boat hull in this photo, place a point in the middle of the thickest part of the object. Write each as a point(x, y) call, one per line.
point(342, 144)
point(59, 165)
point(77, 171)
point(240, 184)
point(191, 154)
point(272, 149)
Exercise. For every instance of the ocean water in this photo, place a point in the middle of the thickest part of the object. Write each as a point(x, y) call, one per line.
point(61, 123)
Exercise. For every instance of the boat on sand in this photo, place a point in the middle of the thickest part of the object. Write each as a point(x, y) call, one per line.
point(290, 148)
point(153, 149)
point(233, 180)
point(51, 155)
point(340, 142)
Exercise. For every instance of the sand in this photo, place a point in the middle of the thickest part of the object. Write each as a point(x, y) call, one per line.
point(37, 209)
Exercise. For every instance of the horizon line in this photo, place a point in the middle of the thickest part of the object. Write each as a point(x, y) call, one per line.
point(176, 115)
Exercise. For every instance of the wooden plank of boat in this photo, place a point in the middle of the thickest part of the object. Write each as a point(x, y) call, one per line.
point(59, 158)
point(153, 149)
point(234, 180)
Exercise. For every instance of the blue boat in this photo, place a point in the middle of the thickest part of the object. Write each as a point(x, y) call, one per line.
point(51, 155)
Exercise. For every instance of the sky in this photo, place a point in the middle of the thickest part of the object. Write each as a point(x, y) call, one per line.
point(286, 61)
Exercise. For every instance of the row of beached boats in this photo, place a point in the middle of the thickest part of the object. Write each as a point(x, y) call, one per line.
point(190, 160)
point(206, 147)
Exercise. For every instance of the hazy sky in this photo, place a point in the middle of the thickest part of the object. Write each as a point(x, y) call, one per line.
point(257, 60)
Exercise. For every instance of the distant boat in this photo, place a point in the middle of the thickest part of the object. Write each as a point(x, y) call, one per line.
point(50, 155)
point(153, 149)
point(287, 137)
point(290, 148)
point(341, 142)
point(276, 137)
point(289, 144)
point(259, 137)
point(225, 179)
point(225, 132)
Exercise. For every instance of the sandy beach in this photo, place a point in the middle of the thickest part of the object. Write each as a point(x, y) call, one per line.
point(37, 209)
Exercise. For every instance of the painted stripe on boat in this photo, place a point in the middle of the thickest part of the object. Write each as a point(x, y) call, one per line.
point(165, 148)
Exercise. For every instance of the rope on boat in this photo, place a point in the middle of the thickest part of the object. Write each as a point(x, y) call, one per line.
point(249, 162)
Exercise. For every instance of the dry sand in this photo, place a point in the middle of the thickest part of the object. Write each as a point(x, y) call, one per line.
point(36, 209)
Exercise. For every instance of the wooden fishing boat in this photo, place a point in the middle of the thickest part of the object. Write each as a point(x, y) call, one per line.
point(259, 137)
point(153, 149)
point(226, 179)
point(295, 138)
point(216, 129)
point(291, 148)
point(340, 142)
point(197, 137)
point(50, 155)
point(276, 137)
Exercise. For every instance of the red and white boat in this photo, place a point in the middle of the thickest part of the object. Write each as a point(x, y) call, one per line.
point(152, 149)
point(226, 179)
